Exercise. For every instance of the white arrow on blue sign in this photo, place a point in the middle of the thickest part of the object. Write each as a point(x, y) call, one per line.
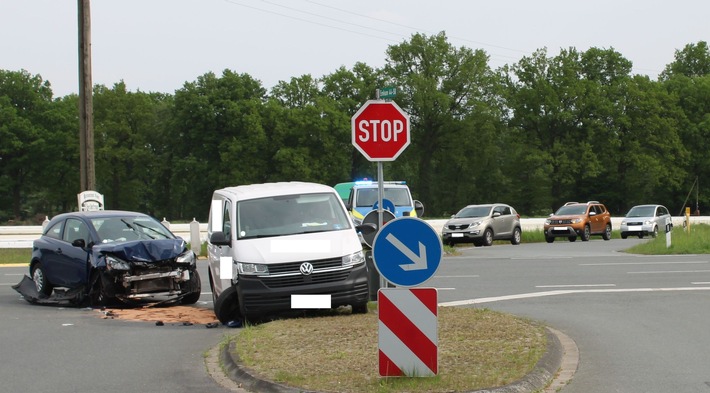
point(407, 251)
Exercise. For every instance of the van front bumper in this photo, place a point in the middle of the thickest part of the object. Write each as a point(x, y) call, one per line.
point(264, 294)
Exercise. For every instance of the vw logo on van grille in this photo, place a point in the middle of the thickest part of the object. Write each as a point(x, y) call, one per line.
point(306, 268)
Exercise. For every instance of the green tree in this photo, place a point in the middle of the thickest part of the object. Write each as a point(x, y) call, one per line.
point(218, 140)
point(25, 101)
point(440, 86)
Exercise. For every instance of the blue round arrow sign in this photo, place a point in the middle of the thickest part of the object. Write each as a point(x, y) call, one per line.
point(407, 251)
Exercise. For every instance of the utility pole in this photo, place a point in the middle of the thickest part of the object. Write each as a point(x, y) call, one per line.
point(86, 106)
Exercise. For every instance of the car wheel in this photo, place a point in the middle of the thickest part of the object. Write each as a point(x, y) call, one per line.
point(655, 232)
point(624, 235)
point(572, 238)
point(97, 295)
point(586, 233)
point(607, 232)
point(488, 237)
point(477, 243)
point(360, 308)
point(550, 239)
point(640, 235)
point(515, 240)
point(226, 308)
point(43, 285)
point(195, 287)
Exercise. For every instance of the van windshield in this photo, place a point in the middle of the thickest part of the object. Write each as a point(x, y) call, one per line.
point(290, 215)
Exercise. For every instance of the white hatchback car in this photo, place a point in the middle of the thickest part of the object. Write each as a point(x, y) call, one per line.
point(645, 220)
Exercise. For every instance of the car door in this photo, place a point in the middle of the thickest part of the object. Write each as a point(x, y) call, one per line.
point(663, 218)
point(503, 224)
point(72, 261)
point(596, 220)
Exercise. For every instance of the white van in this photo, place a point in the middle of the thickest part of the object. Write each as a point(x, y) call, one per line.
point(269, 244)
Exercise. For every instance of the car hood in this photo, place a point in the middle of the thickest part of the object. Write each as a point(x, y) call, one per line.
point(294, 248)
point(143, 250)
point(467, 220)
point(566, 217)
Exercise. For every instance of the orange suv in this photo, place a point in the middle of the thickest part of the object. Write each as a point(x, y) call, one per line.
point(578, 219)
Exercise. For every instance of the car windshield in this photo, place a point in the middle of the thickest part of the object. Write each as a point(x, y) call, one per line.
point(571, 210)
point(129, 228)
point(642, 211)
point(474, 211)
point(367, 197)
point(290, 215)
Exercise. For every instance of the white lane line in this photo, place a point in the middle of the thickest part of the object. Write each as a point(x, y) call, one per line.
point(13, 274)
point(701, 283)
point(564, 292)
point(575, 286)
point(669, 271)
point(642, 263)
point(464, 276)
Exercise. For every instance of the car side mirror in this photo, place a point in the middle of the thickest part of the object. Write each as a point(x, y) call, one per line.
point(496, 214)
point(220, 239)
point(592, 214)
point(419, 208)
point(79, 243)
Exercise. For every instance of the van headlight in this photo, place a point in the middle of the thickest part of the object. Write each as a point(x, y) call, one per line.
point(250, 269)
point(354, 259)
point(187, 257)
point(113, 263)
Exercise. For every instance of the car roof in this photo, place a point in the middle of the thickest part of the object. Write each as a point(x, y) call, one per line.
point(487, 204)
point(100, 214)
point(264, 190)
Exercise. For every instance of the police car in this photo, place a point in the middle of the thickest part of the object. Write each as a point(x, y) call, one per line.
point(397, 199)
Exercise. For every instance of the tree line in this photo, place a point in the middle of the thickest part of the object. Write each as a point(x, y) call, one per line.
point(534, 134)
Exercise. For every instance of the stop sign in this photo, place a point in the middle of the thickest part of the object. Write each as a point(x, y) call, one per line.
point(380, 130)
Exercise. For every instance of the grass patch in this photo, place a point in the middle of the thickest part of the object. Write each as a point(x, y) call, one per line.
point(477, 349)
point(695, 241)
point(15, 255)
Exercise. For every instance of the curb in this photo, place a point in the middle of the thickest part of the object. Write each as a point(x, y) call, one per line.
point(553, 371)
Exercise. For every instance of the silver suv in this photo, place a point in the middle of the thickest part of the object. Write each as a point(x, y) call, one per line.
point(481, 224)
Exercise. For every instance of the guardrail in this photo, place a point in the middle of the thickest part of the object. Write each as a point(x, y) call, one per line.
point(23, 236)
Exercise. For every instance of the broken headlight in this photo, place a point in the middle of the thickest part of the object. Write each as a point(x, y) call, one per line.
point(113, 263)
point(187, 257)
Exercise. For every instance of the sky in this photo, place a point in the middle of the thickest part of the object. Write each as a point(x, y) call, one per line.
point(159, 45)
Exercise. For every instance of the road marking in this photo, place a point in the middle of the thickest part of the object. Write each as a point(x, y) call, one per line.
point(575, 286)
point(642, 263)
point(670, 271)
point(464, 276)
point(701, 283)
point(564, 292)
point(14, 274)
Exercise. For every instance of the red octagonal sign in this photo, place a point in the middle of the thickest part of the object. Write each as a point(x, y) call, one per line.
point(380, 130)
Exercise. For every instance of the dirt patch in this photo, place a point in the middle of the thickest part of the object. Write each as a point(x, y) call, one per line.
point(164, 315)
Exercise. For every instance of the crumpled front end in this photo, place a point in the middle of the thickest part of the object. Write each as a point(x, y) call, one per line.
point(145, 269)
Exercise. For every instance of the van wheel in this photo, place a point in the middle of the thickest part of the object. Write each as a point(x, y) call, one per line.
point(226, 307)
point(360, 308)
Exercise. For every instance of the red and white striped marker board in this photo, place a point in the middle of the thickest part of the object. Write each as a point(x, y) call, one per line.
point(408, 337)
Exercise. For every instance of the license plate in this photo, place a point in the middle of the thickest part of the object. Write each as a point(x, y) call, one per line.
point(457, 235)
point(560, 229)
point(634, 227)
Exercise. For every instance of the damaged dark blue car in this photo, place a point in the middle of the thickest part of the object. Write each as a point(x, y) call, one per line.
point(105, 257)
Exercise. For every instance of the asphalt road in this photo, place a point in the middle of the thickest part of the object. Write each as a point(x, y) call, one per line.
point(56, 350)
point(641, 323)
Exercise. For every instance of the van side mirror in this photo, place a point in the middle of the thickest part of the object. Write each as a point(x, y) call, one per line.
point(220, 239)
